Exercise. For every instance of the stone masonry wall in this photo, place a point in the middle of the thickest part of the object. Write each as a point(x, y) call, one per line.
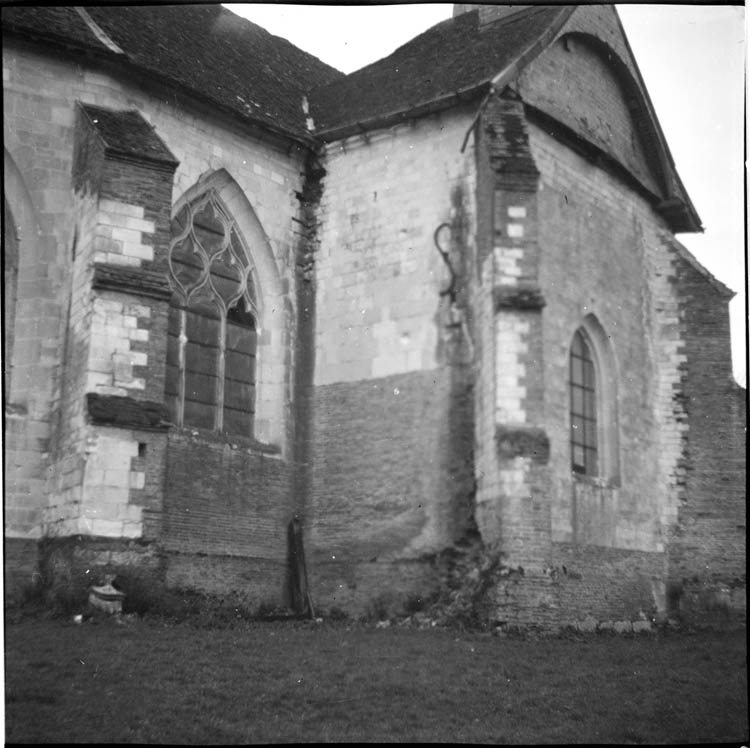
point(573, 83)
point(596, 239)
point(392, 461)
point(602, 257)
point(107, 340)
point(627, 275)
point(37, 195)
point(512, 507)
point(40, 94)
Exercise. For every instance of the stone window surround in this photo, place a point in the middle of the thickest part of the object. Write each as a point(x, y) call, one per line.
point(234, 292)
point(31, 257)
point(271, 377)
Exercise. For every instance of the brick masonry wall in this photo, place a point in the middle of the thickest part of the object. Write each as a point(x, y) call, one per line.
point(586, 585)
point(392, 408)
point(228, 509)
point(393, 479)
point(394, 469)
point(252, 581)
point(609, 584)
point(707, 542)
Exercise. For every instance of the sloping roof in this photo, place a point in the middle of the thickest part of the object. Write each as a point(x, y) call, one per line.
point(205, 49)
point(63, 25)
point(238, 67)
point(128, 134)
point(461, 59)
point(457, 56)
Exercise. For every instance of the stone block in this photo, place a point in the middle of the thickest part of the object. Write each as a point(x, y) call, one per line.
point(640, 627)
point(105, 528)
point(587, 625)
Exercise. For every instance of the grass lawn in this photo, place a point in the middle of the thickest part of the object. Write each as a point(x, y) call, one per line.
point(146, 682)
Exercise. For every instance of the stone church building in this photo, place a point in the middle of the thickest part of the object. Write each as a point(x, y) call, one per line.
point(433, 303)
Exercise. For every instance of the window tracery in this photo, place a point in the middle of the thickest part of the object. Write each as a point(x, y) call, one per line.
point(212, 336)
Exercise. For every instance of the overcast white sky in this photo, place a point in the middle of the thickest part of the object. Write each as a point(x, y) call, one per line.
point(692, 59)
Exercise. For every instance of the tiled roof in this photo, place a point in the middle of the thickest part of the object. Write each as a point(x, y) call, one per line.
point(206, 49)
point(60, 24)
point(455, 56)
point(235, 66)
point(128, 134)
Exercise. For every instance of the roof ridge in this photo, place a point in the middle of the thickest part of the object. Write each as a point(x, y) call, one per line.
point(520, 15)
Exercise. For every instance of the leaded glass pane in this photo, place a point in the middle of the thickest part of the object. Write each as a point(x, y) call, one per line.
point(577, 395)
point(583, 427)
point(226, 277)
point(588, 374)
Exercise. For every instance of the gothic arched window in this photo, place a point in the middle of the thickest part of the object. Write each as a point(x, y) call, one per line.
point(593, 403)
point(211, 346)
point(584, 438)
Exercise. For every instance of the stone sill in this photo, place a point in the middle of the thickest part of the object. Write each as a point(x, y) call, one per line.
point(234, 441)
point(596, 482)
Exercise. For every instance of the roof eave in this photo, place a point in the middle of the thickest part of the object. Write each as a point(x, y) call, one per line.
point(415, 111)
point(494, 82)
point(679, 207)
point(123, 60)
point(680, 215)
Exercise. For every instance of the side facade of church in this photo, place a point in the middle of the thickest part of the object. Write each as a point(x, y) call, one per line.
point(435, 303)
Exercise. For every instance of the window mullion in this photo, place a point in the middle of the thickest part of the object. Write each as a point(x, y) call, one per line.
point(182, 343)
point(221, 365)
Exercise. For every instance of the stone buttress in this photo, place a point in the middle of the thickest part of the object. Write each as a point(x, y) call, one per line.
point(512, 506)
point(105, 482)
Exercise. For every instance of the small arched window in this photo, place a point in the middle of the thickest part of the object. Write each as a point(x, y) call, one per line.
point(593, 403)
point(584, 438)
point(211, 346)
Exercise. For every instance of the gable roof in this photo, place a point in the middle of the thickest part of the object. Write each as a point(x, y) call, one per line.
point(457, 58)
point(462, 59)
point(204, 49)
point(239, 68)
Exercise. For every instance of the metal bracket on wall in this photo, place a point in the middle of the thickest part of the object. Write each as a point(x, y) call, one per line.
point(450, 291)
